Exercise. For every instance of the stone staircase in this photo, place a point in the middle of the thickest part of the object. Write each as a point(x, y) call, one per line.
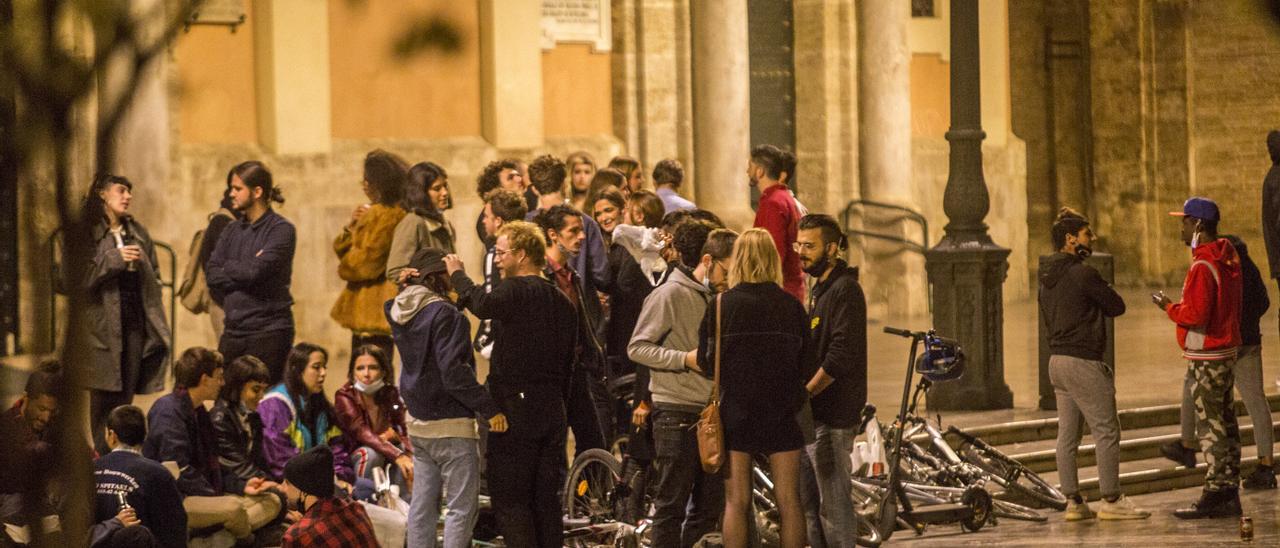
point(1143, 431)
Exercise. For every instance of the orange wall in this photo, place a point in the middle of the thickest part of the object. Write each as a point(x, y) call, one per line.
point(215, 75)
point(577, 91)
point(930, 95)
point(375, 95)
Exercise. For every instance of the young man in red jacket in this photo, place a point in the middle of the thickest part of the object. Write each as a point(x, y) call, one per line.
point(1208, 320)
point(769, 169)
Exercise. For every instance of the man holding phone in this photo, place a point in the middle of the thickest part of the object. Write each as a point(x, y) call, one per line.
point(1208, 320)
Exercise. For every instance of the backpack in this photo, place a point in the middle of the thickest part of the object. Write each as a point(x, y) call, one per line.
point(194, 292)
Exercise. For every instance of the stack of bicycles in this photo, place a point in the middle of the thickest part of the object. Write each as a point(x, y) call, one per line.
point(933, 477)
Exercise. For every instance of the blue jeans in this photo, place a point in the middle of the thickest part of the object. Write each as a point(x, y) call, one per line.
point(832, 468)
point(451, 465)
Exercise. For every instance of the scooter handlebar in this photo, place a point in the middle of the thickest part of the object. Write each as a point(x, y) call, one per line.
point(901, 332)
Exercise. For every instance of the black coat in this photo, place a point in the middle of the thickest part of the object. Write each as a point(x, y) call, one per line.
point(1271, 205)
point(1254, 300)
point(148, 487)
point(838, 323)
point(765, 345)
point(535, 331)
point(239, 450)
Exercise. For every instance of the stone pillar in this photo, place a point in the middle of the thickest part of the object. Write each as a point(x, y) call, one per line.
point(967, 270)
point(721, 114)
point(896, 286)
point(511, 73)
point(291, 61)
point(827, 104)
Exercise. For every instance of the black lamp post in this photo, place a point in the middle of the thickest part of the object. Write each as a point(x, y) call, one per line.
point(967, 270)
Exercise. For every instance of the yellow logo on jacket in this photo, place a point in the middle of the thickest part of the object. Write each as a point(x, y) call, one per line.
point(813, 324)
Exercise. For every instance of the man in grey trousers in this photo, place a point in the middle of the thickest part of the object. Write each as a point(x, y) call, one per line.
point(1074, 304)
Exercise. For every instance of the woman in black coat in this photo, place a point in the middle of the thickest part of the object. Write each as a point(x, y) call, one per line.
point(764, 344)
point(129, 336)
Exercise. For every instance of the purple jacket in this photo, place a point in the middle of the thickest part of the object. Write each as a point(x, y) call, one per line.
point(284, 436)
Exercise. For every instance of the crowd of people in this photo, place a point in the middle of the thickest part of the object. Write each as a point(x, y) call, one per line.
point(587, 278)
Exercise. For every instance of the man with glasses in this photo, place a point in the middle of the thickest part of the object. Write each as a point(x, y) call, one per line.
point(837, 376)
point(688, 501)
point(535, 336)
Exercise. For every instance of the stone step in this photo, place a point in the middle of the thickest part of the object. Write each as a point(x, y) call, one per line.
point(1152, 475)
point(1142, 448)
point(1018, 432)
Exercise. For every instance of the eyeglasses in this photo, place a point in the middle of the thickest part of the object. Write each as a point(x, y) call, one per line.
point(804, 246)
point(498, 252)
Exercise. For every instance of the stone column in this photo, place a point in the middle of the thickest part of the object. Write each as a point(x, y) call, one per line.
point(896, 286)
point(967, 269)
point(511, 73)
point(827, 104)
point(721, 108)
point(291, 60)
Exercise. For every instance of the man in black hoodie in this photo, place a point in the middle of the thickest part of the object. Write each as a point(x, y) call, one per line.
point(1074, 304)
point(1271, 206)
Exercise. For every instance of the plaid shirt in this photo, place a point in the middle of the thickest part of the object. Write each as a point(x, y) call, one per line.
point(332, 523)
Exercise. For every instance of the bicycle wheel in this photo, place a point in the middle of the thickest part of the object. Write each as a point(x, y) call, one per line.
point(1006, 509)
point(1011, 474)
point(589, 489)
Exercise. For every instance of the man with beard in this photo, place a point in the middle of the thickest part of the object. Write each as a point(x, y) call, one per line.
point(563, 227)
point(250, 272)
point(837, 377)
point(1074, 304)
point(769, 169)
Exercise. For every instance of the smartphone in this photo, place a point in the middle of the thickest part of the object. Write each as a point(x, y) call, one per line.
point(1157, 297)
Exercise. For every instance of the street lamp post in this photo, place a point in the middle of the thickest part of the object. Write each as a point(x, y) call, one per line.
point(966, 269)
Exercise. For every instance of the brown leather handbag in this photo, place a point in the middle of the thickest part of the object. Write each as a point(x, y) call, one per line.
point(710, 429)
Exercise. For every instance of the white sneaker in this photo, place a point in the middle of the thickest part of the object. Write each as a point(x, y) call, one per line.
point(1077, 511)
point(1122, 508)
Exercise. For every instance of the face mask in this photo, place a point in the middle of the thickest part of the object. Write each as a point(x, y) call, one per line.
point(819, 267)
point(1083, 251)
point(371, 388)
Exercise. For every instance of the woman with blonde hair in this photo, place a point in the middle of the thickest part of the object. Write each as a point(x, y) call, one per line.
point(582, 168)
point(763, 345)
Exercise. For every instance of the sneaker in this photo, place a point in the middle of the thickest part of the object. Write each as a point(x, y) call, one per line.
point(1263, 477)
point(1223, 503)
point(1077, 511)
point(1122, 508)
point(1175, 452)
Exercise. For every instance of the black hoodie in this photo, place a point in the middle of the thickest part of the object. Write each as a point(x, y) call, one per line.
point(1074, 304)
point(1254, 301)
point(1271, 205)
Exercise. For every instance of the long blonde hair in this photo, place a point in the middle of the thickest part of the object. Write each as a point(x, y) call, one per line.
point(755, 259)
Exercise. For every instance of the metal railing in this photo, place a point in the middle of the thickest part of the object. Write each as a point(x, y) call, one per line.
point(170, 283)
point(856, 208)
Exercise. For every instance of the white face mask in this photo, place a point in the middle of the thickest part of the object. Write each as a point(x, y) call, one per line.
point(371, 389)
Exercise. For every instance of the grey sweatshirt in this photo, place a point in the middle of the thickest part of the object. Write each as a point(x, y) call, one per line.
point(666, 331)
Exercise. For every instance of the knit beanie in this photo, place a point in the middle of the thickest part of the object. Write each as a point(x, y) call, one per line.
point(312, 471)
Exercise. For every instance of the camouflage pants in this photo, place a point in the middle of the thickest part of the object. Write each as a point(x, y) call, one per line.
point(1216, 424)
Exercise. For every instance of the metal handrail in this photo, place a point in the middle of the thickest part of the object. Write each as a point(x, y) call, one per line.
point(55, 270)
point(920, 247)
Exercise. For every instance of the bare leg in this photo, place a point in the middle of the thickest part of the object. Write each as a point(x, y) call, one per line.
point(786, 488)
point(737, 499)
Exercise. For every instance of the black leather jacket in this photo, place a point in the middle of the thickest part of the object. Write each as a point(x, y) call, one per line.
point(240, 460)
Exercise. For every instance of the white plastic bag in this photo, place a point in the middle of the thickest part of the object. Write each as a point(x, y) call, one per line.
point(869, 455)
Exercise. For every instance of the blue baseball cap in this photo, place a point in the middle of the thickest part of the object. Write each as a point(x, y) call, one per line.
point(1200, 208)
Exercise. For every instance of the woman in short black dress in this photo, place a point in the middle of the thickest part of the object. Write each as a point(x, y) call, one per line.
point(764, 343)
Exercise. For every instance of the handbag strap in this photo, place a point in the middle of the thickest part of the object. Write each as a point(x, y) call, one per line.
point(715, 389)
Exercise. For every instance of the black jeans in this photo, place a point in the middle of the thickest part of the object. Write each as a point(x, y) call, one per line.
point(272, 347)
point(681, 482)
point(583, 413)
point(526, 467)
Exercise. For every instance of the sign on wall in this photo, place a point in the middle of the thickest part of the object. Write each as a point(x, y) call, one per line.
point(577, 21)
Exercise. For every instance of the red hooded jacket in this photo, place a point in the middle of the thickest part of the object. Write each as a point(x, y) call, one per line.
point(1208, 317)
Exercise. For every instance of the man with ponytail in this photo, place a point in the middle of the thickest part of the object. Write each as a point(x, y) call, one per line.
point(1074, 304)
point(251, 269)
